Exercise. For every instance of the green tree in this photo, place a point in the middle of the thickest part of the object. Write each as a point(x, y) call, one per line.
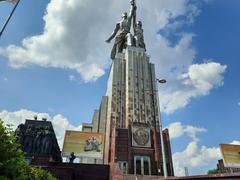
point(12, 163)
point(213, 171)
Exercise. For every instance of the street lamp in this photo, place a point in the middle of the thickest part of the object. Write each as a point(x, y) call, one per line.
point(162, 81)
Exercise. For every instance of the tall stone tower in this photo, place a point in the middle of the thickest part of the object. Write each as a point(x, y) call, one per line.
point(129, 113)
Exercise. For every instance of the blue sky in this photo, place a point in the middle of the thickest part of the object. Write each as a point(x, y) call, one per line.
point(61, 69)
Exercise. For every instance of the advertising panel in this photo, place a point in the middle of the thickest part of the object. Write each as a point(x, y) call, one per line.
point(83, 144)
point(231, 155)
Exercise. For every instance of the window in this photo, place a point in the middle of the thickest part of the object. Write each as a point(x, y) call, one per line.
point(146, 167)
point(123, 165)
point(142, 165)
point(138, 166)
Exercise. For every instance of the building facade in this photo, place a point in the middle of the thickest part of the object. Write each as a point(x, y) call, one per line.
point(129, 116)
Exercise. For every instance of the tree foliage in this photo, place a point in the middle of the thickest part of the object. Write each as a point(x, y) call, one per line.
point(12, 162)
point(213, 171)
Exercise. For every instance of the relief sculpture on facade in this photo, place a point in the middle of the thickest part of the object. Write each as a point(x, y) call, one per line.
point(141, 136)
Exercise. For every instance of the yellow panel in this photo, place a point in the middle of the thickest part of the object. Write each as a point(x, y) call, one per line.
point(83, 144)
point(231, 155)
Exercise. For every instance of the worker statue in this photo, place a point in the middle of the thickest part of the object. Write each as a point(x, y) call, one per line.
point(122, 33)
point(138, 35)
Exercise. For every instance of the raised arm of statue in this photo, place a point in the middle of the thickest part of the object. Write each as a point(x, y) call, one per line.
point(132, 10)
point(133, 14)
point(114, 33)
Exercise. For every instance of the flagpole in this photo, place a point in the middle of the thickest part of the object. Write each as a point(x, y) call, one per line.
point(9, 17)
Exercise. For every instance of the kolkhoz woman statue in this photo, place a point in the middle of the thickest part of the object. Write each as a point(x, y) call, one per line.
point(123, 34)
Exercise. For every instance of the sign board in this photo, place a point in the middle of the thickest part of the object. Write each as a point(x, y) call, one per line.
point(83, 144)
point(231, 155)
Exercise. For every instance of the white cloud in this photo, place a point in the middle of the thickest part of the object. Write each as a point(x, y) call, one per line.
point(236, 142)
point(60, 123)
point(199, 80)
point(75, 30)
point(195, 156)
point(72, 78)
point(74, 34)
point(177, 129)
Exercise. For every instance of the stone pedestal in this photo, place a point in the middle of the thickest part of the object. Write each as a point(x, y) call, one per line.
point(130, 116)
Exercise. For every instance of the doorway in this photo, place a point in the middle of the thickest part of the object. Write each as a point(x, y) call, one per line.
point(142, 165)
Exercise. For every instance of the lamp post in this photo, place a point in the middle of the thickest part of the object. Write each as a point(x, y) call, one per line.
point(10, 16)
point(162, 81)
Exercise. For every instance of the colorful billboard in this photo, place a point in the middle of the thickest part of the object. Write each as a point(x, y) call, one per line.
point(231, 155)
point(83, 144)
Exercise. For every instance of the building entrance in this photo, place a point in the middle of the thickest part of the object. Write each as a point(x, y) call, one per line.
point(142, 165)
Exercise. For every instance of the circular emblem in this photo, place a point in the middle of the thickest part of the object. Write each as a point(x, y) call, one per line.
point(141, 136)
